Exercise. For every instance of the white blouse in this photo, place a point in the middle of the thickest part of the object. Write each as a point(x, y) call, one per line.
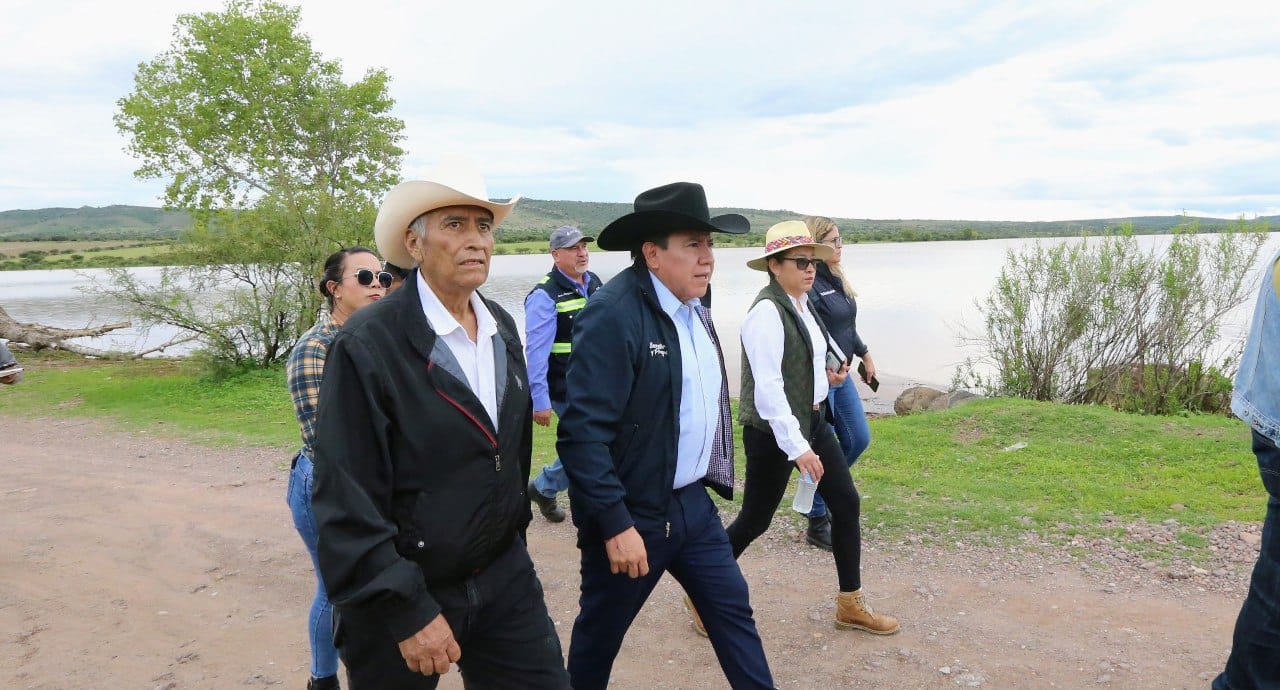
point(762, 343)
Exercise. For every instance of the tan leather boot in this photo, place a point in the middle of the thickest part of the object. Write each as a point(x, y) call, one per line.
point(698, 627)
point(852, 612)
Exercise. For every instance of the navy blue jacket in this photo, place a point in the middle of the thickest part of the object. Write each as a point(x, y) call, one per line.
point(618, 435)
point(838, 311)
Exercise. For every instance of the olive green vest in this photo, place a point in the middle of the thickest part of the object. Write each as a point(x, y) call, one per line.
point(797, 364)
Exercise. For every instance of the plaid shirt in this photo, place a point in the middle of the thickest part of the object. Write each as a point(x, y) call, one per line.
point(306, 367)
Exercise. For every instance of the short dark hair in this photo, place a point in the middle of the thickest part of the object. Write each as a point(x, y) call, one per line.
point(637, 256)
point(334, 267)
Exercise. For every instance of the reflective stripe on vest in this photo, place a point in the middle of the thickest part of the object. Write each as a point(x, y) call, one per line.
point(561, 348)
point(571, 305)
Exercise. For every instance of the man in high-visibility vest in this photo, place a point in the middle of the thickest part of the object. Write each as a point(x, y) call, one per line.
point(549, 310)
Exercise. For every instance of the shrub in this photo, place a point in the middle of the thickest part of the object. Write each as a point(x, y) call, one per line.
point(1104, 320)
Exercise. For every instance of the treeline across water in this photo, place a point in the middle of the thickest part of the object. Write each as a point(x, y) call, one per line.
point(534, 219)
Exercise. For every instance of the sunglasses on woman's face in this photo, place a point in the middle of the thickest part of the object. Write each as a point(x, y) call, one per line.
point(365, 277)
point(803, 262)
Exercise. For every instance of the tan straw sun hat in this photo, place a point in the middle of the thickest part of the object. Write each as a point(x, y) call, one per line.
point(789, 234)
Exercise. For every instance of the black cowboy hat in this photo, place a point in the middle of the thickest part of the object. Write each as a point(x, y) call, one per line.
point(663, 210)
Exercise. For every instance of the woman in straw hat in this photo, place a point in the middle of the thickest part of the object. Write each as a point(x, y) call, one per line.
point(785, 417)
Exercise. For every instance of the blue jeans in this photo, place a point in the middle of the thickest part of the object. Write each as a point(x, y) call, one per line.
point(324, 657)
point(552, 480)
point(851, 429)
point(1255, 647)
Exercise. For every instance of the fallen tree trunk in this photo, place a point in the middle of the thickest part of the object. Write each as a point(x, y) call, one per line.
point(40, 337)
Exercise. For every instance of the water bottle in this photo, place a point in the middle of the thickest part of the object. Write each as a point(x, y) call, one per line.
point(803, 501)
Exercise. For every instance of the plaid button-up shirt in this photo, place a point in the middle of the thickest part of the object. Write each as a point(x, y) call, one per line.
point(306, 367)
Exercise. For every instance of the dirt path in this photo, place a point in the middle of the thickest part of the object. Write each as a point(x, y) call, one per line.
point(135, 562)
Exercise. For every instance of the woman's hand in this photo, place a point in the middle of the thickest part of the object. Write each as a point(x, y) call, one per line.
point(810, 463)
point(835, 378)
point(870, 367)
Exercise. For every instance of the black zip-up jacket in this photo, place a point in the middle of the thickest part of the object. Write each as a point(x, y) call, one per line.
point(618, 436)
point(838, 311)
point(414, 488)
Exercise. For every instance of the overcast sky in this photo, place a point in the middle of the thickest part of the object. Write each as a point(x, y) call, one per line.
point(978, 110)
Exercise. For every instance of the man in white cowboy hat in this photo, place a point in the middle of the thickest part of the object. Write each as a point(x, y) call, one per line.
point(422, 457)
point(648, 436)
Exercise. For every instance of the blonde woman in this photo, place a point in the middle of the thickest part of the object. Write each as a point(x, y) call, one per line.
point(834, 303)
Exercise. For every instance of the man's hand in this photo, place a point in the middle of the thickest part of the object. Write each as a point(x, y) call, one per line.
point(809, 462)
point(627, 554)
point(11, 378)
point(431, 649)
point(542, 417)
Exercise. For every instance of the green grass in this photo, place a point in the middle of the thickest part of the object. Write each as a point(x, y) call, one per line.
point(112, 257)
point(13, 249)
point(84, 254)
point(160, 396)
point(943, 474)
point(948, 471)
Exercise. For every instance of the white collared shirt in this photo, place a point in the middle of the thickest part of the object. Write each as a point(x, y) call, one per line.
point(762, 342)
point(475, 358)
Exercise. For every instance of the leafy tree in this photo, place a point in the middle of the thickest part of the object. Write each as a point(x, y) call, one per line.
point(277, 160)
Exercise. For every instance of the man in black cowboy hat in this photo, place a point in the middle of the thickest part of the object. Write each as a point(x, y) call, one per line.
point(641, 447)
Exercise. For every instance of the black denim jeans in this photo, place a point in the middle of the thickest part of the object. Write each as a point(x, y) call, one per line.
point(769, 471)
point(498, 617)
point(1254, 663)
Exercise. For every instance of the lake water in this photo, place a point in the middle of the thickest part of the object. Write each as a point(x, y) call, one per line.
point(914, 298)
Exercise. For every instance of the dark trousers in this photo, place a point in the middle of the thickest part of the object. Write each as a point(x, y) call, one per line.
point(499, 619)
point(696, 553)
point(1254, 663)
point(768, 472)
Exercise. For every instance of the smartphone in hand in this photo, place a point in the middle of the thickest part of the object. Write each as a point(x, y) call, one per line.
point(873, 384)
point(833, 362)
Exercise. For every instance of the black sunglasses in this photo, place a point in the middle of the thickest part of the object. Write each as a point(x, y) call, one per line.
point(365, 277)
point(802, 262)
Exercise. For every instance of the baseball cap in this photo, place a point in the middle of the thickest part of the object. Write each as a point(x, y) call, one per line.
point(567, 236)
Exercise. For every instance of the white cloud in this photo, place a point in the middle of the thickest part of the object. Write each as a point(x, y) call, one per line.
point(987, 110)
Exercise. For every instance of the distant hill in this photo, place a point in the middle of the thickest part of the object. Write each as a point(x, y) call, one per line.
point(535, 218)
point(91, 223)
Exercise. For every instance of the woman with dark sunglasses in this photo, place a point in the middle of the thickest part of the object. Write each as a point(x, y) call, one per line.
point(353, 278)
point(786, 375)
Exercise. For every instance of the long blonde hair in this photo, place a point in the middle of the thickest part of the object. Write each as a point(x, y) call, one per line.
point(819, 226)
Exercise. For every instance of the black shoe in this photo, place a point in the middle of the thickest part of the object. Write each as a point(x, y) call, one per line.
point(819, 532)
point(546, 506)
point(326, 683)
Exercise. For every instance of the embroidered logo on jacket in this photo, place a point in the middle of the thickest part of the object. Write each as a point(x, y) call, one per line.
point(656, 349)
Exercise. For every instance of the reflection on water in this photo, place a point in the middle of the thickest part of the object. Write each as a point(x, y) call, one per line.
point(913, 298)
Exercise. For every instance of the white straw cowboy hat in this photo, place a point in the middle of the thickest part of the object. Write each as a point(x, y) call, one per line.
point(789, 234)
point(454, 182)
